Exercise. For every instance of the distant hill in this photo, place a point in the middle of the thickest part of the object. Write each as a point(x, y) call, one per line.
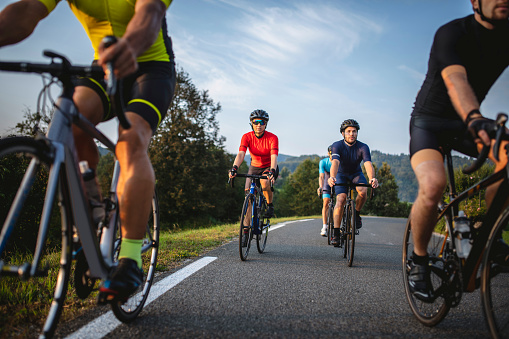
point(400, 168)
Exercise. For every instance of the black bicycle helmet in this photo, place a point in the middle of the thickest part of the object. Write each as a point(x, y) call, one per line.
point(349, 123)
point(259, 114)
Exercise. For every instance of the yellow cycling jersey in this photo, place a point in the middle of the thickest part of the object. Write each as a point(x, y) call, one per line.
point(110, 17)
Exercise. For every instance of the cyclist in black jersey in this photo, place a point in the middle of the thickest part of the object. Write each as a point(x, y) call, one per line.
point(144, 60)
point(467, 57)
point(347, 155)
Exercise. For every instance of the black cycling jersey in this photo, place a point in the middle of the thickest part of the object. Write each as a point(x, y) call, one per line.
point(484, 53)
point(350, 157)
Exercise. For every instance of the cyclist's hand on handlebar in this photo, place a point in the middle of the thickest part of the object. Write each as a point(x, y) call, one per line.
point(123, 56)
point(233, 172)
point(481, 128)
point(374, 182)
point(270, 175)
point(319, 191)
point(331, 181)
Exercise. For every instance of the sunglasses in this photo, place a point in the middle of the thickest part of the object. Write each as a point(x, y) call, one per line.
point(259, 122)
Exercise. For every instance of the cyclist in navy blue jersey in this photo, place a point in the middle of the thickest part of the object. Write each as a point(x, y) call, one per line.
point(323, 187)
point(467, 57)
point(347, 155)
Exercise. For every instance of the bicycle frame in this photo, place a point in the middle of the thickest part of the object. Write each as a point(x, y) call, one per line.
point(255, 189)
point(64, 173)
point(472, 262)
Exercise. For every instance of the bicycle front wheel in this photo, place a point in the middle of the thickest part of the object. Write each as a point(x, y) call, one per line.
point(24, 171)
point(432, 313)
point(129, 310)
point(330, 222)
point(350, 233)
point(261, 239)
point(246, 232)
point(495, 279)
point(344, 228)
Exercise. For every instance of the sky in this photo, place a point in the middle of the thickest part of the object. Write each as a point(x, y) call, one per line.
point(309, 64)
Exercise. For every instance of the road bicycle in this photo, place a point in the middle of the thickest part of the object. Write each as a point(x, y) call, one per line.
point(463, 261)
point(253, 219)
point(94, 247)
point(348, 228)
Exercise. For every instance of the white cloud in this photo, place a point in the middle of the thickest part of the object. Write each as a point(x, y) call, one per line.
point(416, 75)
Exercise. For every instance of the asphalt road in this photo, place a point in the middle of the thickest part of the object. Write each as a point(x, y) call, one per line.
point(299, 288)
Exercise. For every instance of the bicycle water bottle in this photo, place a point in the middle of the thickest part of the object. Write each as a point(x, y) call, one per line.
point(462, 235)
point(92, 190)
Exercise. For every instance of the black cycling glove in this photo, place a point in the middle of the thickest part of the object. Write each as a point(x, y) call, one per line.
point(233, 171)
point(271, 173)
point(481, 124)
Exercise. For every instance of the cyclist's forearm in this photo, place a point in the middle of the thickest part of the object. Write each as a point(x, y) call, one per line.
point(144, 27)
point(370, 170)
point(273, 161)
point(239, 159)
point(334, 168)
point(18, 20)
point(321, 177)
point(461, 93)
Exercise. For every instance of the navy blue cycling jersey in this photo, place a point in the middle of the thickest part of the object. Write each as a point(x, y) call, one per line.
point(350, 157)
point(483, 52)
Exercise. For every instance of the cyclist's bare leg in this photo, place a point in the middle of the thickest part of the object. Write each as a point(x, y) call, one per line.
point(362, 197)
point(324, 209)
point(137, 180)
point(430, 172)
point(267, 192)
point(89, 105)
point(338, 209)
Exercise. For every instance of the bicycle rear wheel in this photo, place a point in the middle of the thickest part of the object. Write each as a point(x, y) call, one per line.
point(350, 233)
point(27, 160)
point(246, 232)
point(261, 239)
point(495, 279)
point(432, 313)
point(129, 310)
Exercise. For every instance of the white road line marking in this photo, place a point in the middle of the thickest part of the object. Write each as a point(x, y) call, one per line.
point(108, 322)
point(272, 228)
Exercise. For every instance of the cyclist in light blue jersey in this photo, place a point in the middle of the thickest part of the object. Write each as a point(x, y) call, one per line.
point(323, 187)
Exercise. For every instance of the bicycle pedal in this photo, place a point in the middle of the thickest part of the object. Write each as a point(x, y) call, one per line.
point(107, 296)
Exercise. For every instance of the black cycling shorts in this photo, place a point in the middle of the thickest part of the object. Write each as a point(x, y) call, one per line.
point(356, 178)
point(428, 132)
point(258, 171)
point(147, 92)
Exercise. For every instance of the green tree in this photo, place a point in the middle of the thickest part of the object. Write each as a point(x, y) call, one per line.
point(298, 194)
point(385, 200)
point(190, 162)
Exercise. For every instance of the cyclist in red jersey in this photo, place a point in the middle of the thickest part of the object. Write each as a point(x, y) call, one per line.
point(263, 147)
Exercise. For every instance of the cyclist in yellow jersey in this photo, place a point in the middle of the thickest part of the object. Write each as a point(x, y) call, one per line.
point(144, 61)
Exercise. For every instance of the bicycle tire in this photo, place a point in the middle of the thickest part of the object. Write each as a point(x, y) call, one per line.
point(246, 232)
point(15, 155)
point(261, 239)
point(330, 222)
point(344, 228)
point(429, 314)
point(495, 279)
point(128, 311)
point(350, 233)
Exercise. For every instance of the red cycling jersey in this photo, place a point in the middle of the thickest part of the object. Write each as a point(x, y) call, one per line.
point(260, 149)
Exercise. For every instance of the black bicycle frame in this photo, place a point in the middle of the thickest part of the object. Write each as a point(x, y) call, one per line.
point(483, 232)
